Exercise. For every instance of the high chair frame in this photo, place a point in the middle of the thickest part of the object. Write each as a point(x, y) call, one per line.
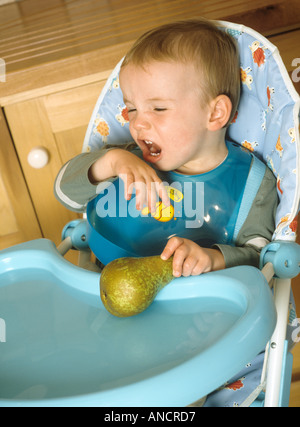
point(273, 141)
point(264, 76)
point(280, 262)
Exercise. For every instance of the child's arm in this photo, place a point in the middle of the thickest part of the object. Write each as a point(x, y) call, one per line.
point(81, 179)
point(72, 186)
point(134, 172)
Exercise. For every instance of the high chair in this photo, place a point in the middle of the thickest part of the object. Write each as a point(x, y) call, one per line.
point(222, 334)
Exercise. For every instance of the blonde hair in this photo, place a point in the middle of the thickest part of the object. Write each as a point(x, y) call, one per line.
point(213, 52)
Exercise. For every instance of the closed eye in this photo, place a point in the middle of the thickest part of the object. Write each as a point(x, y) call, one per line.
point(160, 109)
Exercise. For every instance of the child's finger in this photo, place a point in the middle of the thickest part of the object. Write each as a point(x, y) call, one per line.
point(162, 193)
point(128, 181)
point(156, 191)
point(189, 265)
point(169, 249)
point(141, 194)
point(152, 197)
point(198, 269)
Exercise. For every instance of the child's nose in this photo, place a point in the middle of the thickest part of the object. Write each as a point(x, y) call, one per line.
point(140, 122)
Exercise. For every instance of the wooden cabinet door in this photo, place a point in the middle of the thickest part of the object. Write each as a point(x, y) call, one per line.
point(58, 123)
point(18, 221)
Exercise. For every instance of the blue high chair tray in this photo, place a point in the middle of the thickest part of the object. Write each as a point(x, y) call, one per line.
point(62, 348)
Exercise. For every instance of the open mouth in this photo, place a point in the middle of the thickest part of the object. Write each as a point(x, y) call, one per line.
point(151, 150)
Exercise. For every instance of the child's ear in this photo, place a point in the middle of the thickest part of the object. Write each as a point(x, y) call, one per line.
point(220, 111)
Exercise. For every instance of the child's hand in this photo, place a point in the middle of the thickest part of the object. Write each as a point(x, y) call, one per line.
point(190, 259)
point(137, 173)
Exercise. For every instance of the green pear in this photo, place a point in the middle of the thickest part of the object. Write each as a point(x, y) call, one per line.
point(129, 285)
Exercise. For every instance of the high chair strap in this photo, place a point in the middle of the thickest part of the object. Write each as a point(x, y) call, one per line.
point(254, 180)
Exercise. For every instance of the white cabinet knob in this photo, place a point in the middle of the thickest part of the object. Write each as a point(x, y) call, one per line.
point(38, 157)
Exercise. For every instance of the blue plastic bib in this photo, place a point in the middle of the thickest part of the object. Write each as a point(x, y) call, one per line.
point(204, 208)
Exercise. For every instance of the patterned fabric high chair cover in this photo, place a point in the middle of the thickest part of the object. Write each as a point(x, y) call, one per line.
point(266, 122)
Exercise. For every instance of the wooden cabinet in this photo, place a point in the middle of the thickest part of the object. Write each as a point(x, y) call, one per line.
point(18, 219)
point(56, 122)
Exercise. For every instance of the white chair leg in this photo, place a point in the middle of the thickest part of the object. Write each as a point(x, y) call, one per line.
point(282, 290)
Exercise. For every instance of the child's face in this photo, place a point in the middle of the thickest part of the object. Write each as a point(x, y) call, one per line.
point(166, 118)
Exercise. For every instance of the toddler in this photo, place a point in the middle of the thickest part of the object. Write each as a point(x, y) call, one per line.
point(181, 86)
